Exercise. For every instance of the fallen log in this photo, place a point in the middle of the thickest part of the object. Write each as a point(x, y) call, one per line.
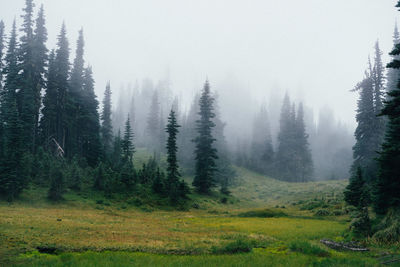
point(342, 245)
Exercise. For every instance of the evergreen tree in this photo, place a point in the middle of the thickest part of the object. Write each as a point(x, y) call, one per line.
point(40, 58)
point(11, 179)
point(284, 156)
point(106, 126)
point(128, 147)
point(378, 77)
point(2, 35)
point(205, 153)
point(388, 185)
point(61, 74)
point(364, 150)
point(356, 191)
point(48, 122)
point(89, 121)
point(173, 174)
point(261, 150)
point(75, 101)
point(304, 164)
point(393, 75)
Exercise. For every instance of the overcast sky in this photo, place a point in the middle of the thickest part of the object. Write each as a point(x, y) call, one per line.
point(318, 48)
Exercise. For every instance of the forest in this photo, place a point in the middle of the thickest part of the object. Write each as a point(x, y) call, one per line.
point(141, 176)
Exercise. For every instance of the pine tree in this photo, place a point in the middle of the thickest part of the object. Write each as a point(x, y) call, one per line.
point(378, 77)
point(388, 185)
point(48, 122)
point(304, 166)
point(284, 156)
point(173, 174)
point(89, 121)
point(261, 150)
point(364, 150)
point(355, 193)
point(61, 74)
point(393, 75)
point(75, 101)
point(127, 145)
point(106, 126)
point(205, 153)
point(11, 179)
point(2, 35)
point(26, 101)
point(40, 61)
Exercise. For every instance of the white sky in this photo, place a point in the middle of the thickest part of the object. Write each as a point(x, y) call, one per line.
point(316, 47)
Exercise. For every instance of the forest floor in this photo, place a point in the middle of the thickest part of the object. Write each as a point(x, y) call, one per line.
point(265, 223)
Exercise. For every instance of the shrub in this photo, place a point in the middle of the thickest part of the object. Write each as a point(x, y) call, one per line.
point(265, 213)
point(322, 212)
point(307, 248)
point(240, 245)
point(388, 230)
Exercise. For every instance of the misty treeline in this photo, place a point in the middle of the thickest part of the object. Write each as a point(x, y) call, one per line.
point(375, 172)
point(55, 133)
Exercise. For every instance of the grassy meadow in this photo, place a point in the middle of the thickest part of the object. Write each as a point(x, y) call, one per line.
point(265, 222)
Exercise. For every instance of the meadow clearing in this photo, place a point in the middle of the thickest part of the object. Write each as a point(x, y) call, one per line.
point(265, 222)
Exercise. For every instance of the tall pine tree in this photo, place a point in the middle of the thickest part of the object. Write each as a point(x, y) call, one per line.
point(127, 145)
point(106, 126)
point(11, 179)
point(173, 175)
point(388, 185)
point(205, 153)
point(364, 150)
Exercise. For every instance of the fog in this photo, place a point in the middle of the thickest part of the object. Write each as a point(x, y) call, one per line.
point(252, 52)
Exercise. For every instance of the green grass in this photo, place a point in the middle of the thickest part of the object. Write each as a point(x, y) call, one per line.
point(90, 230)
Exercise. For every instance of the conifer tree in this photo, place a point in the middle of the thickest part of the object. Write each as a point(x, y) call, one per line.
point(11, 179)
point(26, 101)
point(364, 150)
point(48, 122)
point(61, 74)
point(205, 153)
point(388, 185)
point(106, 126)
point(127, 145)
point(261, 150)
point(304, 170)
point(89, 120)
point(2, 45)
point(284, 156)
point(2, 35)
point(378, 77)
point(356, 191)
point(40, 61)
point(173, 174)
point(393, 75)
point(75, 100)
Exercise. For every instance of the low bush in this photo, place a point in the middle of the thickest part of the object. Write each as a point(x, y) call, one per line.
point(240, 245)
point(265, 213)
point(307, 248)
point(322, 212)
